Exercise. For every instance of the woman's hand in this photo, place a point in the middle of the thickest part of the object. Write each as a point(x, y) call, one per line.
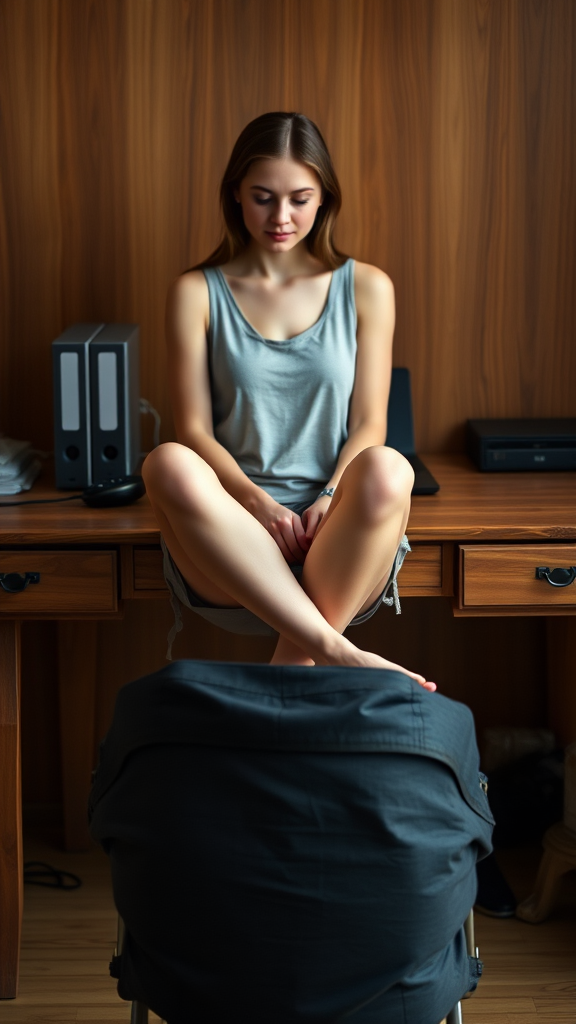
point(286, 529)
point(313, 516)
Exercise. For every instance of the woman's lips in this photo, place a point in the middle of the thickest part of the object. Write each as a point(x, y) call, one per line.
point(279, 236)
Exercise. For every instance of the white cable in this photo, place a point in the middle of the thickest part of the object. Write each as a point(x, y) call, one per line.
point(145, 407)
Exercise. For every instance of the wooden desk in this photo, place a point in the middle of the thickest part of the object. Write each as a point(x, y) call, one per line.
point(478, 541)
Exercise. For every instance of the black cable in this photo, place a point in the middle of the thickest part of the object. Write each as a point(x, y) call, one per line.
point(38, 501)
point(35, 870)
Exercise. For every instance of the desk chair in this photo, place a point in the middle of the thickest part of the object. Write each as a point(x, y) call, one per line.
point(291, 844)
point(139, 1012)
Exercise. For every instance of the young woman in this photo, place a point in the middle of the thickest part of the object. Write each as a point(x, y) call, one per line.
point(281, 510)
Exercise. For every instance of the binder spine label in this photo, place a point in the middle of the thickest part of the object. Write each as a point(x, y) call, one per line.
point(70, 391)
point(107, 391)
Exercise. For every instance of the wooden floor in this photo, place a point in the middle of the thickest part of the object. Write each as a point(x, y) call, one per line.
point(529, 974)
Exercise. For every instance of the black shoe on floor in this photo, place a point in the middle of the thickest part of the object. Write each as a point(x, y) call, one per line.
point(495, 897)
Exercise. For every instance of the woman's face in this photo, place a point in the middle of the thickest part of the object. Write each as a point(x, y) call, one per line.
point(279, 200)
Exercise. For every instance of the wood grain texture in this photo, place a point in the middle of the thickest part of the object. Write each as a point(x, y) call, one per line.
point(505, 574)
point(148, 572)
point(41, 777)
point(453, 127)
point(77, 659)
point(561, 645)
point(11, 892)
point(493, 506)
point(72, 582)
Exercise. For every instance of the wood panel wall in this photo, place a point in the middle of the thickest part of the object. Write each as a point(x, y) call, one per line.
point(453, 128)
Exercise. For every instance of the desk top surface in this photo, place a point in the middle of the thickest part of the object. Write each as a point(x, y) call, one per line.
point(469, 506)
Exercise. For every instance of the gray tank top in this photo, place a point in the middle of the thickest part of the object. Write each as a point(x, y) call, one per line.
point(281, 407)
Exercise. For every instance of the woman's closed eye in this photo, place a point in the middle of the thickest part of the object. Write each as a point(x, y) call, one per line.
point(264, 202)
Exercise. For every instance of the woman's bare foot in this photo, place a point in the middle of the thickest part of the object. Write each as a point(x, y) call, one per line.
point(347, 654)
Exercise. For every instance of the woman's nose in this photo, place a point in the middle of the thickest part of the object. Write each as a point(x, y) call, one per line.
point(281, 213)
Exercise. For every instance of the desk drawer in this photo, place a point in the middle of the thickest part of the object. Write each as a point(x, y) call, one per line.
point(423, 573)
point(70, 583)
point(427, 571)
point(504, 576)
point(147, 573)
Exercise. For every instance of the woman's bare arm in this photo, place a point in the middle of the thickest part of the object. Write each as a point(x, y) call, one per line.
point(376, 317)
point(187, 315)
point(368, 408)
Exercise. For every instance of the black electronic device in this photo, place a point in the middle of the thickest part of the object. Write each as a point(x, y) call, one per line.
point(115, 402)
point(515, 445)
point(121, 491)
point(96, 403)
point(72, 415)
point(400, 431)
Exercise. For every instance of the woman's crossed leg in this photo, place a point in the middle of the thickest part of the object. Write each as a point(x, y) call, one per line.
point(230, 559)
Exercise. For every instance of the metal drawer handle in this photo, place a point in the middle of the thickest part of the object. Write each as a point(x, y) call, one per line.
point(15, 582)
point(556, 577)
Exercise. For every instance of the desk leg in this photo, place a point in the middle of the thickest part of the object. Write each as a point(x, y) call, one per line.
point(11, 884)
point(561, 642)
point(77, 679)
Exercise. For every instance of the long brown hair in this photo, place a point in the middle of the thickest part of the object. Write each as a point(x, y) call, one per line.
point(271, 136)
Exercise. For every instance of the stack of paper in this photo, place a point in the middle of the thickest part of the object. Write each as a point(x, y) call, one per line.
point(18, 466)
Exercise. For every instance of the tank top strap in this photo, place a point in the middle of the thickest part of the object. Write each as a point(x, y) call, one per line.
point(222, 309)
point(341, 304)
point(345, 278)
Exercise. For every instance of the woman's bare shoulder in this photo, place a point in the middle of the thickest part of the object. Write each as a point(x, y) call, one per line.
point(189, 286)
point(371, 283)
point(188, 306)
point(374, 294)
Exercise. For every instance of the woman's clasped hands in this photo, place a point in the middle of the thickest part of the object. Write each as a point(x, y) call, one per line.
point(293, 534)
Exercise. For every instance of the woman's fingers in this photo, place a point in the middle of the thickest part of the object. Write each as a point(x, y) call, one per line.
point(287, 553)
point(295, 538)
point(313, 517)
point(300, 533)
point(290, 536)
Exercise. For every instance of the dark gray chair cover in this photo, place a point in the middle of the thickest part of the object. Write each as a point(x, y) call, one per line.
point(291, 844)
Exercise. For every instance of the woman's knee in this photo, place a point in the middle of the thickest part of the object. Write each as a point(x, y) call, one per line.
point(382, 480)
point(164, 462)
point(173, 470)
